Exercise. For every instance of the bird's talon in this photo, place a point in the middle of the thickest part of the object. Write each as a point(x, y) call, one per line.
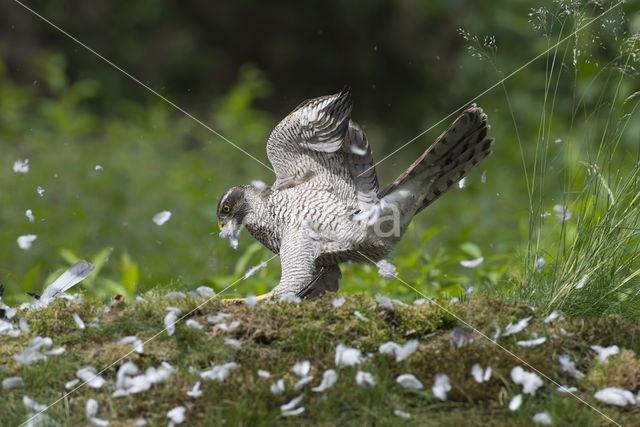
point(234, 301)
point(259, 298)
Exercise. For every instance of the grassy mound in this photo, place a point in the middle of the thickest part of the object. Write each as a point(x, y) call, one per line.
point(273, 337)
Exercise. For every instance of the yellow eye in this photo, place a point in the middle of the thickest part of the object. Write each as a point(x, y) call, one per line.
point(226, 209)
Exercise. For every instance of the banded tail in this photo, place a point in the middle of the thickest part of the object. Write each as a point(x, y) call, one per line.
point(449, 159)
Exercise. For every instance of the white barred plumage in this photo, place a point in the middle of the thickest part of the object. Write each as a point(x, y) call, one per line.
point(325, 207)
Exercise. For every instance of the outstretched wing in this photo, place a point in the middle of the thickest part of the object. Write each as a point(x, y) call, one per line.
point(317, 140)
point(309, 139)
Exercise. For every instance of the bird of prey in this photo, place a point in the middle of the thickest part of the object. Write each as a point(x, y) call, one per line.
point(325, 206)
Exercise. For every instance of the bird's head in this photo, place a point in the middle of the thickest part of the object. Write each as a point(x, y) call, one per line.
point(232, 204)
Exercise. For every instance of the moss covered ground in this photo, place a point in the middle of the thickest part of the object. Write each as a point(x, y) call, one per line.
point(275, 336)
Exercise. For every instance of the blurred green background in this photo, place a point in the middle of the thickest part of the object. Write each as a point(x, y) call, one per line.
point(110, 155)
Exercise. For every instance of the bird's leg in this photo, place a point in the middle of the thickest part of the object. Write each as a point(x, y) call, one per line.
point(259, 298)
point(298, 269)
point(297, 259)
point(326, 279)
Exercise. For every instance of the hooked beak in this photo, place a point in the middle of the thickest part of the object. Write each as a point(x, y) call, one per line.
point(224, 222)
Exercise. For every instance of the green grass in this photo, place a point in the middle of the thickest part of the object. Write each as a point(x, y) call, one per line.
point(595, 272)
point(591, 258)
point(275, 336)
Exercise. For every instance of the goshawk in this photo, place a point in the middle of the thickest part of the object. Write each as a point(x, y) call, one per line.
point(325, 206)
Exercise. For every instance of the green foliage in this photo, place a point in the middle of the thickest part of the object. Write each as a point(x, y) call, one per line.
point(68, 113)
point(589, 245)
point(135, 181)
point(596, 266)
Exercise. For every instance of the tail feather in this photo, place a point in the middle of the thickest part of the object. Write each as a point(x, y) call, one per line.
point(449, 159)
point(455, 152)
point(444, 182)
